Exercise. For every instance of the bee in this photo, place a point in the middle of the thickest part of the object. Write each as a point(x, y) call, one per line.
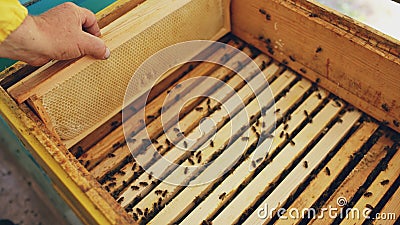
point(259, 160)
point(292, 142)
point(155, 207)
point(185, 145)
point(306, 113)
point(135, 216)
point(327, 171)
point(191, 161)
point(167, 142)
point(159, 201)
point(120, 200)
point(303, 70)
point(305, 164)
point(396, 123)
point(131, 140)
point(107, 188)
point(292, 58)
point(150, 175)
point(222, 196)
point(150, 117)
point(270, 50)
point(121, 172)
point(143, 183)
point(211, 143)
point(318, 50)
point(385, 107)
point(159, 148)
point(287, 136)
point(253, 164)
point(198, 154)
point(133, 166)
point(319, 96)
point(384, 182)
point(110, 155)
point(146, 141)
point(146, 212)
point(245, 138)
point(313, 15)
point(258, 123)
point(116, 145)
point(268, 17)
point(199, 159)
point(263, 65)
point(158, 192)
point(281, 134)
point(177, 97)
point(254, 129)
point(208, 101)
point(134, 188)
point(186, 170)
point(199, 109)
point(176, 129)
point(139, 211)
point(286, 126)
point(112, 184)
point(164, 193)
point(154, 141)
point(262, 11)
point(368, 194)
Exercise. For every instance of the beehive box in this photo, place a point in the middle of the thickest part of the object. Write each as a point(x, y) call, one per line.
point(329, 83)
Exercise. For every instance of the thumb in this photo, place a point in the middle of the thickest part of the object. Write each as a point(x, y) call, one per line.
point(93, 46)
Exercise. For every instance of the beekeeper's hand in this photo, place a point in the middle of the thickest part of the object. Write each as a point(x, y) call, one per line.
point(64, 32)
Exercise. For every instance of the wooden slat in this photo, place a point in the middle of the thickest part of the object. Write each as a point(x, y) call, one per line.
point(338, 72)
point(378, 188)
point(391, 206)
point(259, 185)
point(258, 83)
point(108, 164)
point(105, 146)
point(356, 178)
point(184, 201)
point(318, 186)
point(299, 174)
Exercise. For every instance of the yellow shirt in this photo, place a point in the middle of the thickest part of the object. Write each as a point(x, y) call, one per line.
point(12, 14)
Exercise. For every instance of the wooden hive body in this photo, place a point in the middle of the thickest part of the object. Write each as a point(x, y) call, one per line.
point(320, 65)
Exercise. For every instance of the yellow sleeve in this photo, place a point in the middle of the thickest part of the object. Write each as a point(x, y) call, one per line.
point(12, 14)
